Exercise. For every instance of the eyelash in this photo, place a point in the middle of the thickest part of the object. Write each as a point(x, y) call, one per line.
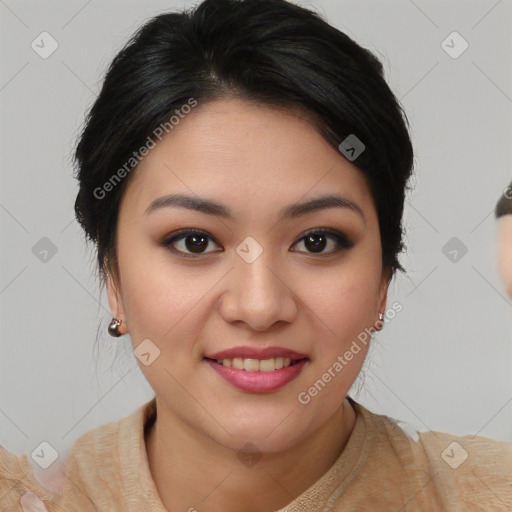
point(340, 239)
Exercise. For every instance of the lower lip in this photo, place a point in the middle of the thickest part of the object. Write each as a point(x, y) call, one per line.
point(258, 382)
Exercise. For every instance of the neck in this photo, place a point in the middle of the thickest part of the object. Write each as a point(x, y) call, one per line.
point(210, 477)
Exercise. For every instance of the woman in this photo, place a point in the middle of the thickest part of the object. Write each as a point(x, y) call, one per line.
point(242, 176)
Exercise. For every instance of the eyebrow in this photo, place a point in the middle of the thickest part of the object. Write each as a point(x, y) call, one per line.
point(293, 211)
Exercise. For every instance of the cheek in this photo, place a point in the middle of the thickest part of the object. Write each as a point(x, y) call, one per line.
point(343, 320)
point(344, 297)
point(158, 297)
point(343, 317)
point(343, 304)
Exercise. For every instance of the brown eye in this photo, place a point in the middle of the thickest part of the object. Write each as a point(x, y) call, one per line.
point(191, 242)
point(316, 241)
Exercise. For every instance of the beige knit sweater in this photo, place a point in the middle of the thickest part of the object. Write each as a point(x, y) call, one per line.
point(383, 468)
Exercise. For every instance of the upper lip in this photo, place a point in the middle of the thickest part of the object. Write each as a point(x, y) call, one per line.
point(246, 352)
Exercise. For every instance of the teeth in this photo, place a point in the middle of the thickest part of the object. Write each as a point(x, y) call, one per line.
point(266, 365)
point(251, 365)
point(254, 365)
point(238, 363)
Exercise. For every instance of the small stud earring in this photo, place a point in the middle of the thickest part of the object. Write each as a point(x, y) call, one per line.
point(113, 328)
point(381, 318)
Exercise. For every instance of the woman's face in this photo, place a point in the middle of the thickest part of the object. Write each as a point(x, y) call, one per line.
point(251, 277)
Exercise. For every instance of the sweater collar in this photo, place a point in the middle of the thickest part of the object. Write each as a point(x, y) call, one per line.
point(142, 494)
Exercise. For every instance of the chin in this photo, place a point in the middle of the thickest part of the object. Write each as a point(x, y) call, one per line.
point(259, 442)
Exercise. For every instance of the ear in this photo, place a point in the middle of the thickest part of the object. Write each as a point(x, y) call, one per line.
point(115, 301)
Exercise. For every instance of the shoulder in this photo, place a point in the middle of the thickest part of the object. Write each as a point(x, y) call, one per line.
point(460, 470)
point(98, 442)
point(24, 486)
point(93, 458)
point(12, 477)
point(20, 489)
point(481, 468)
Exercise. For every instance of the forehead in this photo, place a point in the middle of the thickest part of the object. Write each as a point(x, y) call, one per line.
point(247, 155)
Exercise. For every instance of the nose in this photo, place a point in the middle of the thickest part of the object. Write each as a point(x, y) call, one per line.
point(258, 294)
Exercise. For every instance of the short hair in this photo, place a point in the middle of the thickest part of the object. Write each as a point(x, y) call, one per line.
point(504, 204)
point(272, 52)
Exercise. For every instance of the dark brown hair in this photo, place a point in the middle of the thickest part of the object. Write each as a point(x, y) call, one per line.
point(267, 51)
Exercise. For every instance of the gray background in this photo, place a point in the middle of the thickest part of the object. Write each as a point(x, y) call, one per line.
point(444, 362)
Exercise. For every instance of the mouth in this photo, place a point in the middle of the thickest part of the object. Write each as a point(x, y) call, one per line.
point(258, 365)
point(252, 375)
